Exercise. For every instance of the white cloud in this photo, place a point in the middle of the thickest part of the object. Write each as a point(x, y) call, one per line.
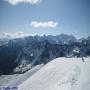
point(47, 24)
point(15, 2)
point(13, 34)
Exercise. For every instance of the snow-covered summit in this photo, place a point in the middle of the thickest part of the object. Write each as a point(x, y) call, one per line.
point(61, 74)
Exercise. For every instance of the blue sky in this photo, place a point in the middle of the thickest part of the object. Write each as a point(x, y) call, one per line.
point(46, 17)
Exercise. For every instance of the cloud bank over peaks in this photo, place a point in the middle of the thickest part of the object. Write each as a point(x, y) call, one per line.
point(18, 34)
point(15, 2)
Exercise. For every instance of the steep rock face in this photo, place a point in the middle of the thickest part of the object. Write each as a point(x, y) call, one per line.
point(20, 55)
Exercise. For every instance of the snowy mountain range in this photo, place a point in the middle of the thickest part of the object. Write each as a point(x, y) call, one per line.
point(21, 54)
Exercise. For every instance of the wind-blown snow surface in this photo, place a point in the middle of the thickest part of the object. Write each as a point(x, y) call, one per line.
point(61, 74)
point(17, 79)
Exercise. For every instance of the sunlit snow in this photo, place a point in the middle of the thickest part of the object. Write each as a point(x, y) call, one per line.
point(61, 74)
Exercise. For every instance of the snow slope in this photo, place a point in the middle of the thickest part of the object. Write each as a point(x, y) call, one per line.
point(61, 74)
point(17, 79)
